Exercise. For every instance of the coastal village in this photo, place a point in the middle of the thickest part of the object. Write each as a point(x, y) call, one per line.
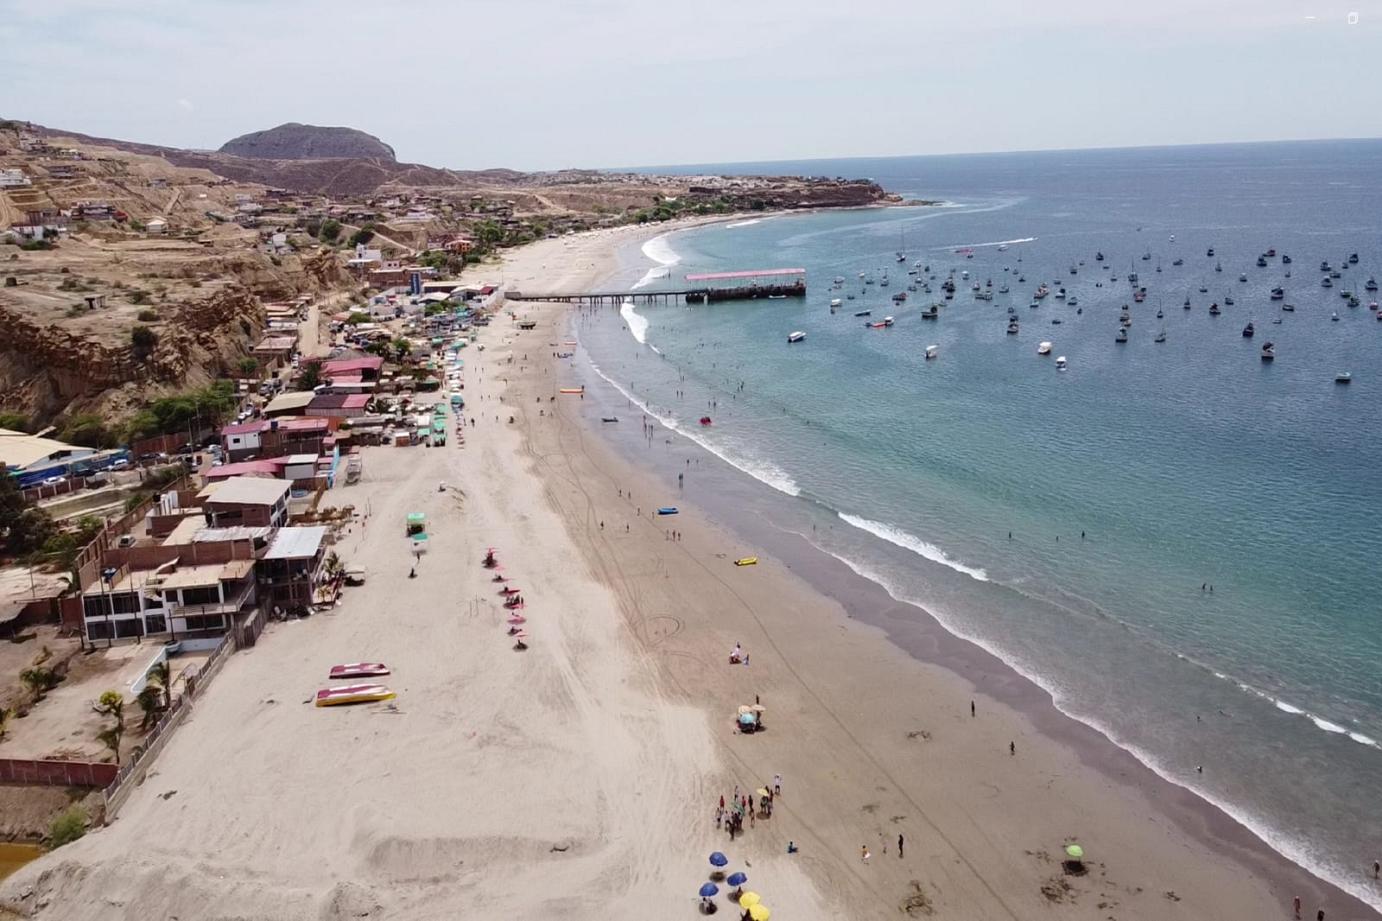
point(321, 600)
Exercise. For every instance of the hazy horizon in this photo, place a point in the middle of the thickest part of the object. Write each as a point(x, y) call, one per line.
point(611, 84)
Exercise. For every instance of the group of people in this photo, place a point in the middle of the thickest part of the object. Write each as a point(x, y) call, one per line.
point(741, 805)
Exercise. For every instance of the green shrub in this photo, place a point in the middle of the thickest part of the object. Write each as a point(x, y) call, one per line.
point(148, 316)
point(67, 827)
point(143, 339)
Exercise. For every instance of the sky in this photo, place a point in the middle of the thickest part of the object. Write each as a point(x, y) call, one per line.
point(538, 84)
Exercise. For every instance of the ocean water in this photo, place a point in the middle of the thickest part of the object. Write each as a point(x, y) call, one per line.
point(1127, 482)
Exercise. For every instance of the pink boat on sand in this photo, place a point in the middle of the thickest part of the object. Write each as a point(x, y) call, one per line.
point(359, 670)
point(353, 694)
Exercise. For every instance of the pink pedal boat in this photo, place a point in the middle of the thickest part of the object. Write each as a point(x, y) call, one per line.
point(353, 694)
point(359, 670)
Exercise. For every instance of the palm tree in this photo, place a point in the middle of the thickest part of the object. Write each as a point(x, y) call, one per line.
point(112, 703)
point(110, 738)
point(150, 700)
point(162, 675)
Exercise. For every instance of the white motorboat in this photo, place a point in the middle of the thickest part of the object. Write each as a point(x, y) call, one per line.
point(1044, 348)
point(1060, 362)
point(931, 351)
point(796, 336)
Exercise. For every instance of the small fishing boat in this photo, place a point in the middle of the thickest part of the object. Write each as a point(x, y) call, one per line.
point(1178, 262)
point(1289, 308)
point(899, 297)
point(1044, 348)
point(1218, 267)
point(1285, 260)
point(353, 694)
point(1055, 321)
point(1012, 328)
point(1343, 377)
point(1204, 289)
point(1214, 310)
point(1228, 300)
point(1268, 351)
point(932, 351)
point(1210, 252)
point(609, 418)
point(359, 670)
point(863, 313)
point(1248, 330)
point(1334, 318)
point(705, 420)
point(1122, 335)
point(796, 336)
point(1278, 293)
point(1270, 253)
point(1003, 289)
point(1159, 314)
point(1041, 292)
point(1060, 362)
point(1261, 262)
point(1326, 282)
point(1371, 285)
point(1243, 276)
point(667, 510)
point(933, 312)
point(839, 279)
point(1160, 337)
point(1352, 258)
point(1098, 257)
point(834, 302)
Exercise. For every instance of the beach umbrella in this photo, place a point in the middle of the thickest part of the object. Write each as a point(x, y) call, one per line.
point(708, 890)
point(737, 879)
point(749, 899)
point(717, 859)
point(1074, 852)
point(759, 912)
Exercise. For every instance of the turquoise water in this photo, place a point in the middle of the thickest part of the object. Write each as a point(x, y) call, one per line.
point(1183, 463)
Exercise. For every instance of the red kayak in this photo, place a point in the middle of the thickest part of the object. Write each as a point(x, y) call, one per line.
point(359, 670)
point(705, 420)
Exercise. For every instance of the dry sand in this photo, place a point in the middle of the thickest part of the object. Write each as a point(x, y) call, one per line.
point(579, 779)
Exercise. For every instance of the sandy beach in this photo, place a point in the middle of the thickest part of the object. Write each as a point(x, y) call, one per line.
point(580, 778)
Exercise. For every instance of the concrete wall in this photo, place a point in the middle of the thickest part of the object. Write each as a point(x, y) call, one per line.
point(57, 773)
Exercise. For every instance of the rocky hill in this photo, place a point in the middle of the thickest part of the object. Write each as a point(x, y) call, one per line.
point(309, 142)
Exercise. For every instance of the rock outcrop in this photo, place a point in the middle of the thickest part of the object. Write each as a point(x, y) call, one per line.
point(309, 142)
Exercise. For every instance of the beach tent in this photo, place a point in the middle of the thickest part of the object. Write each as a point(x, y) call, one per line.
point(760, 912)
point(417, 522)
point(1074, 859)
point(749, 899)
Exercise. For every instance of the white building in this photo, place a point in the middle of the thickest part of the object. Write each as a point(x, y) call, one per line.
point(157, 225)
point(13, 178)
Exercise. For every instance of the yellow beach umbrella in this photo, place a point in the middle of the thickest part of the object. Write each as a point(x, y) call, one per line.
point(760, 912)
point(749, 899)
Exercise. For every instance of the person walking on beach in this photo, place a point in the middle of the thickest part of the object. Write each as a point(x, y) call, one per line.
point(777, 791)
point(864, 853)
point(900, 842)
point(1295, 904)
point(1376, 869)
point(971, 709)
point(1012, 748)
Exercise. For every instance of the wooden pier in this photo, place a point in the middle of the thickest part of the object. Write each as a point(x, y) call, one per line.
point(750, 285)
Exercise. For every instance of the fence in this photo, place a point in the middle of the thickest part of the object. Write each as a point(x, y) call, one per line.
point(56, 773)
point(133, 770)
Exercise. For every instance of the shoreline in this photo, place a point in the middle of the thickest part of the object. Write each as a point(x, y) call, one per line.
point(928, 641)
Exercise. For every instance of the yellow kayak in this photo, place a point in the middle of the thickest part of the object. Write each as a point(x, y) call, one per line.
point(746, 561)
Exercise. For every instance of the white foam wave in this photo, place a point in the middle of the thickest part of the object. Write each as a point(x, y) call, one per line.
point(1288, 707)
point(1295, 851)
point(763, 471)
point(659, 250)
point(913, 543)
point(637, 323)
point(748, 223)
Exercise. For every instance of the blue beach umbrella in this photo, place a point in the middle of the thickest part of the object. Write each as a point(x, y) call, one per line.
point(708, 890)
point(737, 879)
point(718, 860)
